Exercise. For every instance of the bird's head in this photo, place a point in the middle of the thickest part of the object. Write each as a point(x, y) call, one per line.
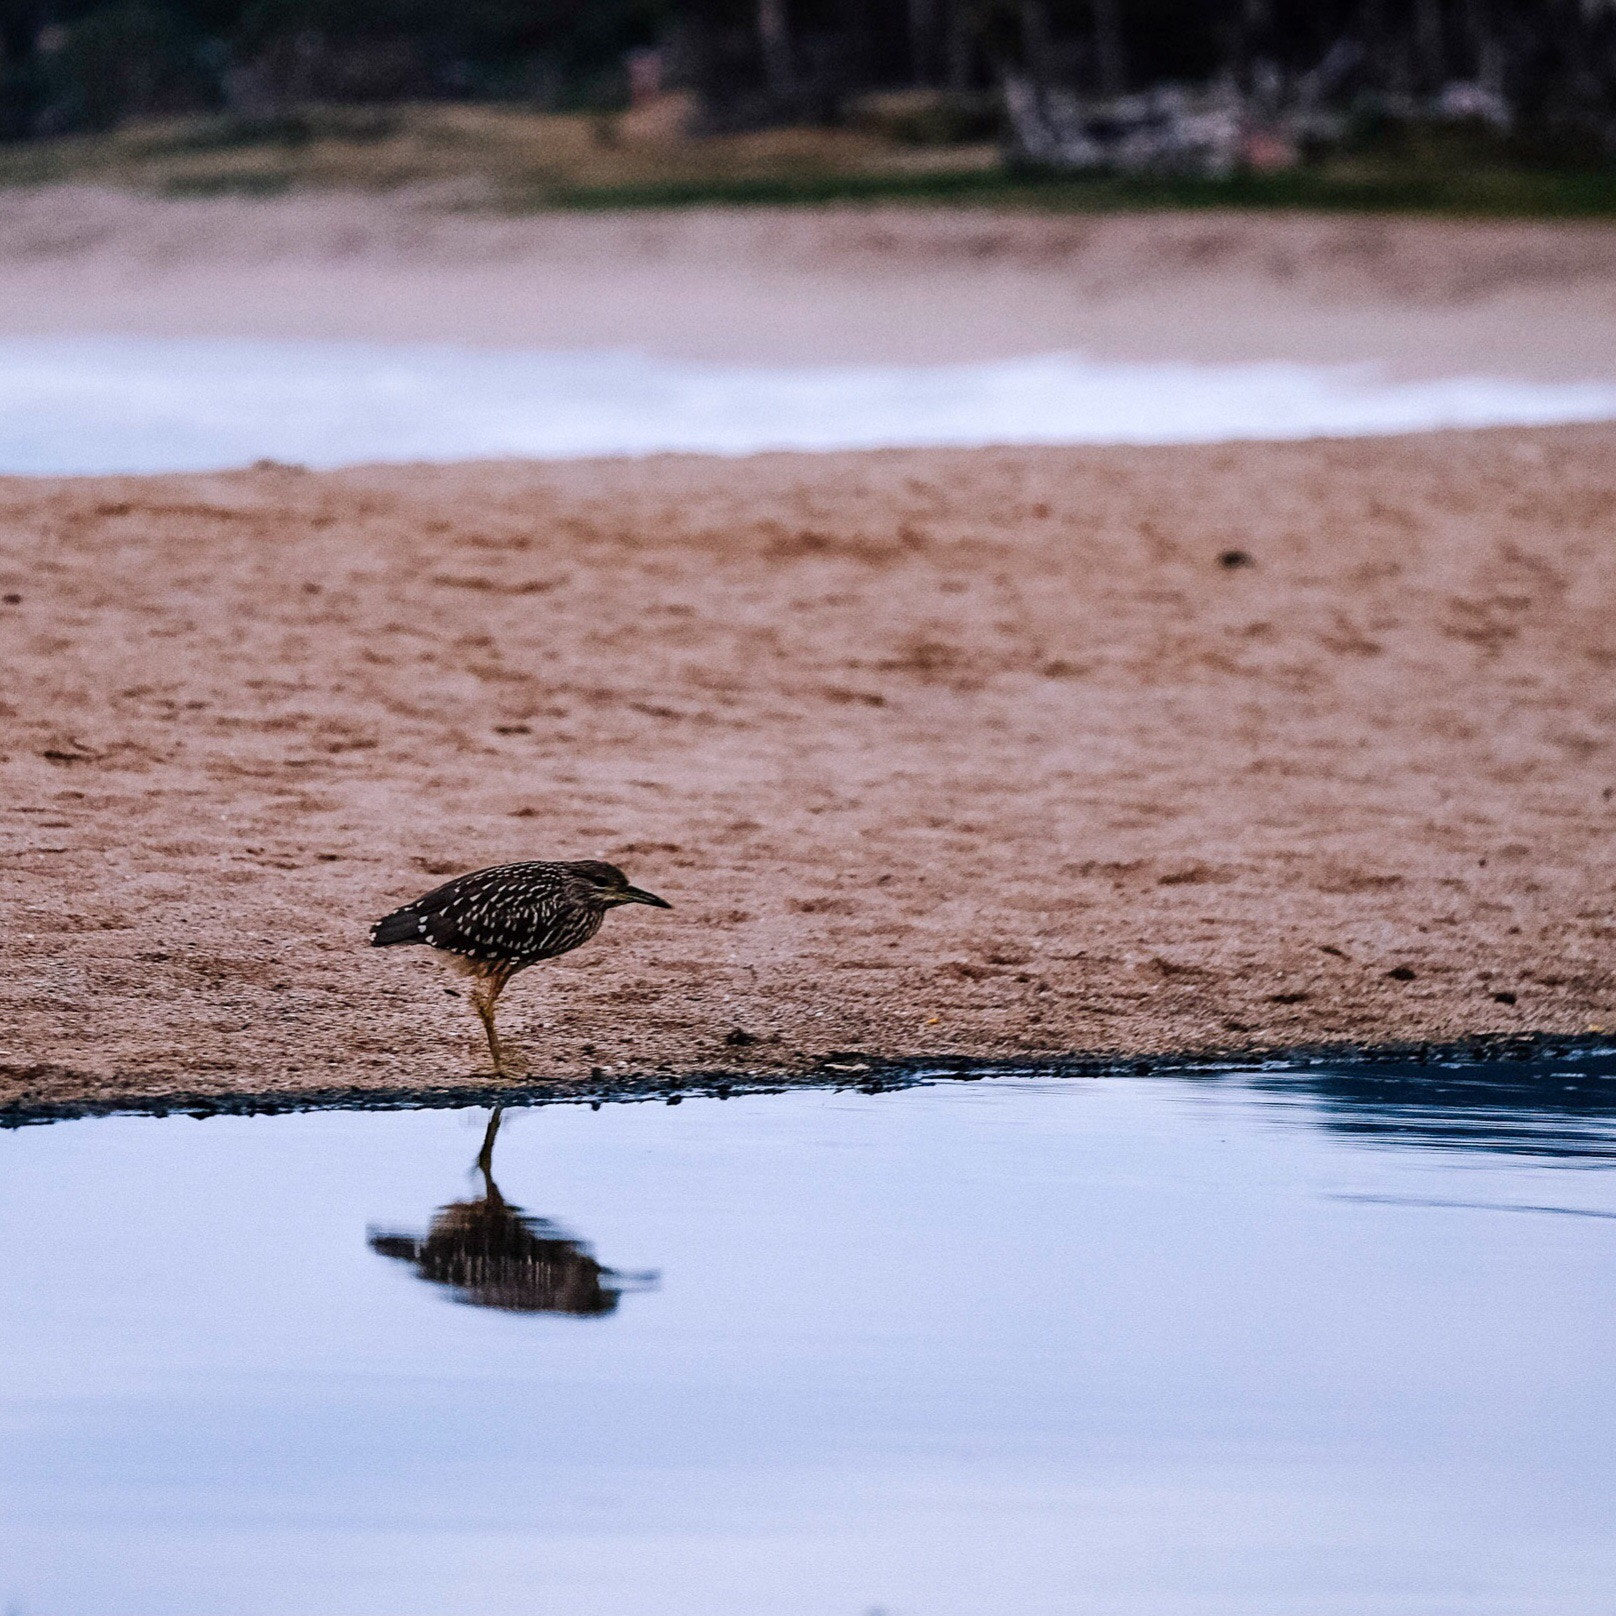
point(606, 885)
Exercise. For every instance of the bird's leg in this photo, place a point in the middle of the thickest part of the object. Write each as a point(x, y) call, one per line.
point(485, 1156)
point(482, 999)
point(484, 996)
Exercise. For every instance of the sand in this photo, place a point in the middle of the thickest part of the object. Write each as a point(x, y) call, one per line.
point(963, 753)
point(843, 284)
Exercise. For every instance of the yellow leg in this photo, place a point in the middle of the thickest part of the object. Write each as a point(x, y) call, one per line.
point(484, 996)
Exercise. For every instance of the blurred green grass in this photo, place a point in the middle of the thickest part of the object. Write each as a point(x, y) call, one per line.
point(1497, 194)
point(514, 160)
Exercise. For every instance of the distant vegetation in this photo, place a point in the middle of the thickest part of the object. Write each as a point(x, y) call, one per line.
point(1496, 106)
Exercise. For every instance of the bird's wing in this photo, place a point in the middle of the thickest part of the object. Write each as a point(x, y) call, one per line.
point(446, 917)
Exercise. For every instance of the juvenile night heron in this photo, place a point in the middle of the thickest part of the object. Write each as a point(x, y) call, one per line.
point(491, 1254)
point(494, 923)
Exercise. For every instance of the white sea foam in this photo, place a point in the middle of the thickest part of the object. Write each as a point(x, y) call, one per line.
point(100, 404)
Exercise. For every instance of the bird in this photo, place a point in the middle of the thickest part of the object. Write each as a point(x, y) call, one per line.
point(496, 922)
point(489, 1253)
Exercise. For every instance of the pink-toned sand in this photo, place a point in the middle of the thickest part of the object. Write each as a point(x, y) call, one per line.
point(979, 753)
point(845, 284)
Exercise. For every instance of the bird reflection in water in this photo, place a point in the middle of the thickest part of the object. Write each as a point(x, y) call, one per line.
point(489, 1253)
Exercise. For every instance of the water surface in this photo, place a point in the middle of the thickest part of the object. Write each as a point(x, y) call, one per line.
point(1245, 1343)
point(110, 404)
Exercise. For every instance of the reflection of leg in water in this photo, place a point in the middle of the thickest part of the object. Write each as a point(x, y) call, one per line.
point(485, 1156)
point(493, 1254)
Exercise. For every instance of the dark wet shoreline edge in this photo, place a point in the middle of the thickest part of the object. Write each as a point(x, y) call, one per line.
point(846, 1070)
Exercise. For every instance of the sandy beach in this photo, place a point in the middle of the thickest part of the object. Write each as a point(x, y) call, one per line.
point(820, 285)
point(1001, 753)
point(964, 753)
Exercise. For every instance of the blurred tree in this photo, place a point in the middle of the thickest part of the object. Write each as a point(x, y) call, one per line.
point(1546, 67)
point(127, 60)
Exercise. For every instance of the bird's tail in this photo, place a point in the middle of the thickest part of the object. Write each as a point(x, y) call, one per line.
point(402, 926)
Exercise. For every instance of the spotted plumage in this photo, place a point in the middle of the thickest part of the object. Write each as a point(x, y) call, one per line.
point(500, 921)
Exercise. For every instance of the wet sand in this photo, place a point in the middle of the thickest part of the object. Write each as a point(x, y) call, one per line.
point(820, 285)
point(960, 753)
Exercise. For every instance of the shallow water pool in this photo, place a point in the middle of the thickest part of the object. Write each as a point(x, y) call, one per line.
point(1338, 1341)
point(121, 404)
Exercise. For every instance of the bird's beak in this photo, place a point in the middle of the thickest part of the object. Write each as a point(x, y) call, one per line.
point(637, 895)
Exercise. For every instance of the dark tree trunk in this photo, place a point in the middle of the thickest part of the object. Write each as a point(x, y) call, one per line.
point(1108, 50)
point(923, 52)
point(961, 44)
point(774, 37)
point(1430, 45)
point(1037, 43)
point(1486, 44)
